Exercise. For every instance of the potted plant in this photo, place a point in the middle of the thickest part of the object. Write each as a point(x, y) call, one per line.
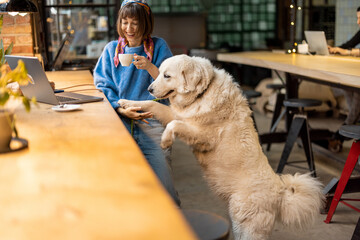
point(7, 77)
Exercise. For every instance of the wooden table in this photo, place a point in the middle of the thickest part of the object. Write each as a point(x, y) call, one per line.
point(332, 70)
point(82, 177)
point(337, 71)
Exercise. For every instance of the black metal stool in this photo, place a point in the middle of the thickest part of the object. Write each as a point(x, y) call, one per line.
point(277, 109)
point(250, 95)
point(350, 131)
point(207, 226)
point(299, 127)
point(356, 234)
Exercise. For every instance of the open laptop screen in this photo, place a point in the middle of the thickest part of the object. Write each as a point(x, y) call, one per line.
point(40, 87)
point(317, 42)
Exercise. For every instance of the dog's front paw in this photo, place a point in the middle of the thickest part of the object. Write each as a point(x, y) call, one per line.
point(168, 135)
point(124, 103)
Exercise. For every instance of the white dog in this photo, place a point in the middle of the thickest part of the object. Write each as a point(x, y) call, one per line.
point(208, 112)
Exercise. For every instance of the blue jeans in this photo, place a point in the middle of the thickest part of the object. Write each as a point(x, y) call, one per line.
point(148, 138)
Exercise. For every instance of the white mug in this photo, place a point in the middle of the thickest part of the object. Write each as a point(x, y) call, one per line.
point(126, 59)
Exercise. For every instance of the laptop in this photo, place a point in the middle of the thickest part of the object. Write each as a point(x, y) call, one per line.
point(317, 42)
point(40, 87)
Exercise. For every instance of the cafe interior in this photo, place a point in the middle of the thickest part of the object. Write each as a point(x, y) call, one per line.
point(75, 172)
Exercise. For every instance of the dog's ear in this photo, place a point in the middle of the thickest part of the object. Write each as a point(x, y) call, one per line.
point(188, 72)
point(205, 70)
point(197, 73)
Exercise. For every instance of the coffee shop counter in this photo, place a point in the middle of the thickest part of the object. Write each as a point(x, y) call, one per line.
point(82, 177)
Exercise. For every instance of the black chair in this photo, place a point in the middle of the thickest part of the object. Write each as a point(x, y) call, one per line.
point(207, 226)
point(277, 109)
point(299, 127)
point(250, 96)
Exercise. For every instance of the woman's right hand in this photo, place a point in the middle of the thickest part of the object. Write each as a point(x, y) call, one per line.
point(132, 113)
point(341, 51)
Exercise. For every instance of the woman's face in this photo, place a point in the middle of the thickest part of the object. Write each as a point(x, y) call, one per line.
point(358, 18)
point(130, 28)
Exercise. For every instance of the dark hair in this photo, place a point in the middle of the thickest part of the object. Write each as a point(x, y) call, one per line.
point(134, 10)
point(358, 10)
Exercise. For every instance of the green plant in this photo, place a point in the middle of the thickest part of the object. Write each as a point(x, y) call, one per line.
point(7, 76)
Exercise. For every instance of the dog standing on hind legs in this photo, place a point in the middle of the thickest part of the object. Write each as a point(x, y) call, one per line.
point(208, 112)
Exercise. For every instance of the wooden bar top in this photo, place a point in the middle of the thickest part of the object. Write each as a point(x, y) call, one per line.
point(82, 177)
point(334, 69)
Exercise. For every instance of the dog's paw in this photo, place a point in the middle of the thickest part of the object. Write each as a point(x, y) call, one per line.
point(124, 103)
point(167, 139)
point(168, 135)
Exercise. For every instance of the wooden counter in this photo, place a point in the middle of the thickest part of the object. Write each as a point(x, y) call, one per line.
point(82, 177)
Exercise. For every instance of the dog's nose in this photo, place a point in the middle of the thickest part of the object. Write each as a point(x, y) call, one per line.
point(150, 89)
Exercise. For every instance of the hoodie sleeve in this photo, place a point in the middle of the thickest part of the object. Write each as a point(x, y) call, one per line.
point(355, 40)
point(103, 78)
point(162, 52)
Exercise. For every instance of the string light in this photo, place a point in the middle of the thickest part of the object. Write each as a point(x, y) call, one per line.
point(293, 8)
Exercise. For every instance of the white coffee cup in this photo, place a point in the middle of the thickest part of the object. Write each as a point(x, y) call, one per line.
point(303, 48)
point(126, 59)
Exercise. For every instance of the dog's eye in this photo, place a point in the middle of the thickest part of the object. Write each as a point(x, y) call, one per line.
point(166, 76)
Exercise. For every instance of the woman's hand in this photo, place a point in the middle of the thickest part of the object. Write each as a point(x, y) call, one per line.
point(142, 62)
point(338, 50)
point(132, 113)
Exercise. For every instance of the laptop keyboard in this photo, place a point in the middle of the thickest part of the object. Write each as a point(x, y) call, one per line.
point(65, 99)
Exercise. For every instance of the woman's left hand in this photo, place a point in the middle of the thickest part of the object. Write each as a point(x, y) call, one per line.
point(141, 62)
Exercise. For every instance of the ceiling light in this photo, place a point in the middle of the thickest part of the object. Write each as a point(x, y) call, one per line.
point(22, 6)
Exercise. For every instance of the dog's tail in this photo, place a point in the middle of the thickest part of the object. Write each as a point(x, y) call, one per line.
point(301, 200)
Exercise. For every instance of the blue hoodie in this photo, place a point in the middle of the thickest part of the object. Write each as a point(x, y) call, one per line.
point(127, 82)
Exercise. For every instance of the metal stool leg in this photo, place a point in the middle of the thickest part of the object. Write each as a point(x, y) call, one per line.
point(345, 175)
point(356, 234)
point(293, 134)
point(274, 121)
point(305, 137)
point(253, 118)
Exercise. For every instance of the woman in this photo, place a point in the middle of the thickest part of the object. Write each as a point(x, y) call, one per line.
point(348, 47)
point(352, 98)
point(134, 25)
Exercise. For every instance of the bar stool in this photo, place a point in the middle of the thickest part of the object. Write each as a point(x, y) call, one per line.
point(277, 109)
point(351, 131)
point(207, 226)
point(250, 96)
point(299, 127)
point(356, 234)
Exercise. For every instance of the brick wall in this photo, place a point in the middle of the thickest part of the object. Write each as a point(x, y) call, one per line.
point(17, 29)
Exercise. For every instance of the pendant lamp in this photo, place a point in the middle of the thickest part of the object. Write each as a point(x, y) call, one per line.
point(18, 6)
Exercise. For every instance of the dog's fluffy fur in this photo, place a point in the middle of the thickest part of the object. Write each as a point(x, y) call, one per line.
point(208, 112)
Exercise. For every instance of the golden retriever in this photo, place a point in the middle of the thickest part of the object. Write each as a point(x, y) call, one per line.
point(208, 112)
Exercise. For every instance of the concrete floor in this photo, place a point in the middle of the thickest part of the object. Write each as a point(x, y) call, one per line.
point(195, 194)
